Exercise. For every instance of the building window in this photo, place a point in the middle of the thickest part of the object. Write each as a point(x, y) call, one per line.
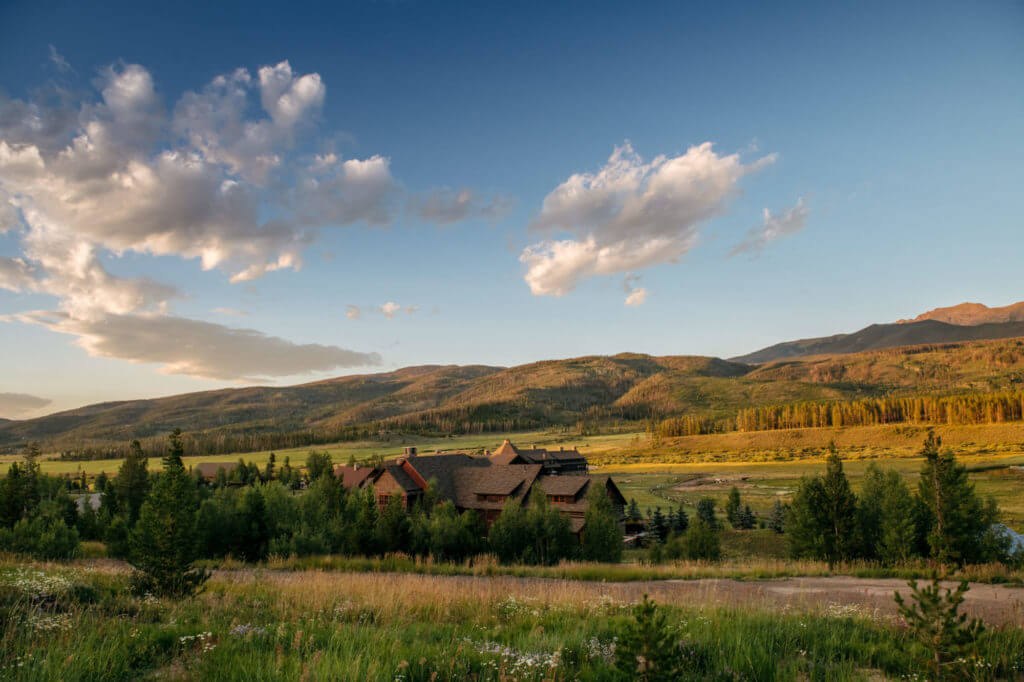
point(562, 499)
point(490, 498)
point(384, 500)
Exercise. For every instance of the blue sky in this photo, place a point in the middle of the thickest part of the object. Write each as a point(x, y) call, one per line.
point(884, 139)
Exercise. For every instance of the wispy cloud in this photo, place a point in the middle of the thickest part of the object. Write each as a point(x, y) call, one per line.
point(58, 61)
point(774, 226)
point(15, 405)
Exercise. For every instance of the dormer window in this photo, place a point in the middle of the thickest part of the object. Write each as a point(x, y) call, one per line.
point(561, 499)
point(490, 498)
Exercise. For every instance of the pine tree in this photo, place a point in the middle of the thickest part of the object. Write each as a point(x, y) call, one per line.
point(733, 507)
point(682, 521)
point(702, 542)
point(318, 464)
point(706, 512)
point(634, 510)
point(602, 532)
point(805, 522)
point(746, 519)
point(163, 542)
point(659, 525)
point(946, 633)
point(395, 526)
point(959, 520)
point(132, 481)
point(840, 511)
point(648, 649)
point(268, 473)
point(175, 451)
point(776, 521)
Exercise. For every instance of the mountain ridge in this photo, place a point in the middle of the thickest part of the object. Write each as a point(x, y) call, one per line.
point(970, 314)
point(628, 388)
point(880, 336)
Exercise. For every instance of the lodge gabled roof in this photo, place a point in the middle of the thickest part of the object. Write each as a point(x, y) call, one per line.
point(563, 484)
point(514, 481)
point(441, 469)
point(210, 469)
point(354, 476)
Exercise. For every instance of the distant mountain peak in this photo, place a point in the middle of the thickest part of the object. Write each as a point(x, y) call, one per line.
point(971, 314)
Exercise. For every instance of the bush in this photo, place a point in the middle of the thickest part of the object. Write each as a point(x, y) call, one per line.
point(43, 536)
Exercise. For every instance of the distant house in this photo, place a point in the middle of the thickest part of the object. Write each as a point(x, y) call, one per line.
point(208, 470)
point(88, 499)
point(354, 476)
point(482, 484)
point(560, 461)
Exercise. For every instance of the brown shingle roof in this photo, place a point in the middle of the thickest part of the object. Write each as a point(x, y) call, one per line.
point(353, 476)
point(508, 453)
point(513, 480)
point(402, 478)
point(441, 469)
point(562, 484)
point(209, 469)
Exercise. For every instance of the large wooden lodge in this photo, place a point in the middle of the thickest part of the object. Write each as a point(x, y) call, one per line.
point(485, 483)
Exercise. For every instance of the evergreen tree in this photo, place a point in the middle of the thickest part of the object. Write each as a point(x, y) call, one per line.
point(252, 530)
point(702, 542)
point(175, 451)
point(959, 521)
point(706, 512)
point(659, 525)
point(648, 649)
point(132, 481)
point(947, 635)
point(840, 511)
point(363, 537)
point(318, 464)
point(551, 539)
point(509, 536)
point(633, 514)
point(733, 507)
point(870, 511)
point(268, 472)
point(745, 519)
point(682, 521)
point(163, 542)
point(395, 527)
point(776, 521)
point(602, 532)
point(806, 524)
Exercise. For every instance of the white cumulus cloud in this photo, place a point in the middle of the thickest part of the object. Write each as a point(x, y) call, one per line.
point(630, 215)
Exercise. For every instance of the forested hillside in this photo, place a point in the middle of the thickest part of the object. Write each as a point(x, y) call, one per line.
point(628, 390)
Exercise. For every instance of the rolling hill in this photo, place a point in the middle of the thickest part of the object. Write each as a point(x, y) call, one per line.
point(588, 390)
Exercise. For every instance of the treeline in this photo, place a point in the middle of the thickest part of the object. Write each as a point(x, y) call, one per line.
point(944, 519)
point(977, 408)
point(162, 522)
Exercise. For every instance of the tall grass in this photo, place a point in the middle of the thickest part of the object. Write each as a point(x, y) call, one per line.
point(269, 625)
point(739, 569)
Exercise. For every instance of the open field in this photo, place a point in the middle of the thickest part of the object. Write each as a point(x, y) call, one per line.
point(761, 483)
point(258, 624)
point(360, 450)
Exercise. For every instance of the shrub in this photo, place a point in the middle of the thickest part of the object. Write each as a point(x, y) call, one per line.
point(647, 649)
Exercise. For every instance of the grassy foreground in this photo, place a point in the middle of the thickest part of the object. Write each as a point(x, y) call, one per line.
point(81, 623)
